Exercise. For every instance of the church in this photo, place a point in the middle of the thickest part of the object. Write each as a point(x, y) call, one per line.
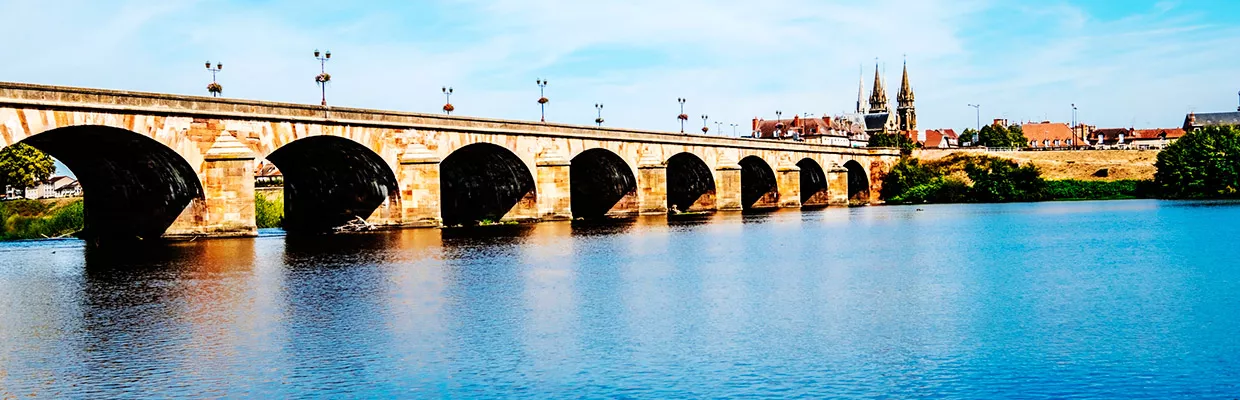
point(877, 113)
point(850, 129)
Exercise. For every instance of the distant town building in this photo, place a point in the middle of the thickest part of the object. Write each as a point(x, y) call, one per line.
point(267, 175)
point(1048, 135)
point(941, 139)
point(1135, 138)
point(1196, 121)
point(837, 131)
point(51, 188)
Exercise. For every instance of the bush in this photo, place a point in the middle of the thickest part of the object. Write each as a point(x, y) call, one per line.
point(1203, 164)
point(1071, 189)
point(960, 178)
point(268, 213)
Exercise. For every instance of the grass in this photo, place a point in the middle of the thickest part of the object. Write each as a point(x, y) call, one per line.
point(33, 219)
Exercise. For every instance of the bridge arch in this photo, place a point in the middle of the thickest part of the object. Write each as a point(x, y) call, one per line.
point(813, 184)
point(759, 188)
point(690, 184)
point(330, 181)
point(134, 187)
point(601, 183)
point(483, 182)
point(858, 183)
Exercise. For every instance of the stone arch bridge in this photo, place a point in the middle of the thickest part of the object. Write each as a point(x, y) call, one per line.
point(157, 165)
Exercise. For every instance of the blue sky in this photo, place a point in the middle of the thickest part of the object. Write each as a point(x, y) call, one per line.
point(1131, 62)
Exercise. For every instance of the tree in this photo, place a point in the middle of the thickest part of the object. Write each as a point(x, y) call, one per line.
point(1202, 164)
point(969, 136)
point(896, 140)
point(1016, 137)
point(1004, 180)
point(21, 166)
point(996, 135)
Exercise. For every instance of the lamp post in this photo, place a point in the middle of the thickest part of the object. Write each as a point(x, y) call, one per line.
point(779, 124)
point(599, 107)
point(323, 78)
point(542, 98)
point(733, 129)
point(978, 133)
point(682, 117)
point(448, 108)
point(719, 125)
point(1076, 128)
point(704, 128)
point(214, 88)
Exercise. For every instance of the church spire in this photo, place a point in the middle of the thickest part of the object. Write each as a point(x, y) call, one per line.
point(907, 113)
point(906, 92)
point(878, 97)
point(861, 106)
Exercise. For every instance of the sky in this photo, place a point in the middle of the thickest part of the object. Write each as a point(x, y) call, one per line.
point(1122, 62)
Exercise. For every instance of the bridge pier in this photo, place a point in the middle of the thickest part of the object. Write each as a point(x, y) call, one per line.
point(552, 185)
point(419, 187)
point(789, 180)
point(837, 185)
point(728, 191)
point(651, 187)
point(227, 206)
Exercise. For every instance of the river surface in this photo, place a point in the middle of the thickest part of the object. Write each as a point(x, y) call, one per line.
point(1122, 299)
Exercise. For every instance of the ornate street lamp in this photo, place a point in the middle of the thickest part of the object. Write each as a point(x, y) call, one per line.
point(447, 94)
point(599, 107)
point(542, 98)
point(323, 77)
point(704, 128)
point(682, 117)
point(779, 124)
point(214, 87)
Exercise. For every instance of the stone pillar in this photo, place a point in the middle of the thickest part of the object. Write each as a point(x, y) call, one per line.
point(837, 185)
point(552, 182)
point(651, 186)
point(728, 186)
point(788, 177)
point(419, 187)
point(227, 206)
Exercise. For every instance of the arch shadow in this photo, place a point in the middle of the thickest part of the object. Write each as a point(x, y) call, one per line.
point(483, 182)
point(759, 188)
point(330, 181)
point(134, 187)
point(690, 184)
point(858, 183)
point(601, 183)
point(813, 184)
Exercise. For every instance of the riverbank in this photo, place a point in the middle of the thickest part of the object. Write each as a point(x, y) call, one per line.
point(1084, 165)
point(40, 219)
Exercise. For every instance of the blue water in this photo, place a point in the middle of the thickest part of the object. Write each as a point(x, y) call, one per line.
point(1124, 299)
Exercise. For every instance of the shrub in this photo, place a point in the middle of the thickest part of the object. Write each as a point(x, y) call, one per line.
point(1071, 189)
point(268, 213)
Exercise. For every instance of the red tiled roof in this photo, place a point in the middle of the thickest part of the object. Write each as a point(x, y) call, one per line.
point(1048, 131)
point(807, 127)
point(934, 138)
point(950, 134)
point(1111, 134)
point(1171, 133)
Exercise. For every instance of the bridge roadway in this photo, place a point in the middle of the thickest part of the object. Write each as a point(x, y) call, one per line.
point(159, 165)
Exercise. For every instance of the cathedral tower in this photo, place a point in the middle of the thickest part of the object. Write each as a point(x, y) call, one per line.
point(878, 97)
point(861, 106)
point(907, 112)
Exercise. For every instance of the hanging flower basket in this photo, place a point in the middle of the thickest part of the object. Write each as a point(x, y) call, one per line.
point(448, 107)
point(323, 78)
point(705, 129)
point(598, 120)
point(215, 88)
point(543, 100)
point(682, 117)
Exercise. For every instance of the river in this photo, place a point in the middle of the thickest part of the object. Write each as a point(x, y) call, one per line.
point(1120, 299)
